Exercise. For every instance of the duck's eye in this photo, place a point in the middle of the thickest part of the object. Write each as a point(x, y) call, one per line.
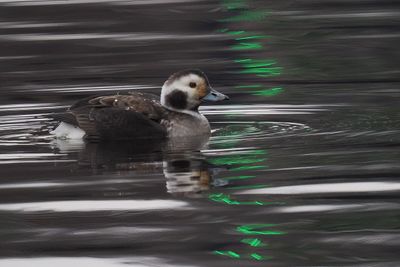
point(192, 85)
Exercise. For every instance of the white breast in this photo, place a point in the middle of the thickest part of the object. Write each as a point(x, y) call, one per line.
point(183, 124)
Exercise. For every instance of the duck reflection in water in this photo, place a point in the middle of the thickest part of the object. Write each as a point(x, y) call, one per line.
point(185, 167)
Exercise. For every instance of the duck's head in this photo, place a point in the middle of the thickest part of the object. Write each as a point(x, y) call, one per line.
point(187, 89)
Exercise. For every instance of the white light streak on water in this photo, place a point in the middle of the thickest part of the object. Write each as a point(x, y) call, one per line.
point(85, 261)
point(317, 208)
point(36, 161)
point(21, 107)
point(96, 205)
point(338, 208)
point(110, 36)
point(77, 2)
point(76, 89)
point(262, 109)
point(32, 24)
point(71, 183)
point(348, 15)
point(357, 187)
point(28, 155)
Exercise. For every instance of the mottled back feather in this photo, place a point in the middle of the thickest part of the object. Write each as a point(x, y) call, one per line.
point(121, 116)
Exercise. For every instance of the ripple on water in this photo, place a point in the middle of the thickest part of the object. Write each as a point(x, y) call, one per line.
point(23, 134)
point(231, 131)
point(234, 127)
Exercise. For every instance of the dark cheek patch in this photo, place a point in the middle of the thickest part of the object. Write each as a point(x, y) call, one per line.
point(177, 99)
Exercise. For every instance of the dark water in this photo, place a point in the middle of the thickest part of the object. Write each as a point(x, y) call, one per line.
point(302, 168)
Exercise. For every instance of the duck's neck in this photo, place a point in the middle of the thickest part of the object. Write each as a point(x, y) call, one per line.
point(187, 123)
point(194, 113)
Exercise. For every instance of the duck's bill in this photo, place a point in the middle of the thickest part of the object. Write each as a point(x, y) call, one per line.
point(215, 96)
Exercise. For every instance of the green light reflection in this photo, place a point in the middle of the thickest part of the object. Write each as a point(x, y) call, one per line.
point(254, 229)
point(227, 31)
point(235, 32)
point(235, 160)
point(265, 72)
point(247, 35)
point(254, 242)
point(268, 92)
point(252, 37)
point(228, 253)
point(234, 255)
point(246, 168)
point(248, 186)
point(255, 63)
point(234, 4)
point(240, 177)
point(226, 199)
point(251, 86)
point(257, 256)
point(248, 41)
point(247, 46)
point(247, 16)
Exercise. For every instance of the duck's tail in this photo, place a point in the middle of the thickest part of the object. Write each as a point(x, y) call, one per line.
point(68, 128)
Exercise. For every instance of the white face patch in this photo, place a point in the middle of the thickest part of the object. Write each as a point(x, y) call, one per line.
point(182, 84)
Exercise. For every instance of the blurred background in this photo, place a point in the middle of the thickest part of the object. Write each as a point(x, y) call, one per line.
point(302, 168)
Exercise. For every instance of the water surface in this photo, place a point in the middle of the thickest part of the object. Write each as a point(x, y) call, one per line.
point(302, 167)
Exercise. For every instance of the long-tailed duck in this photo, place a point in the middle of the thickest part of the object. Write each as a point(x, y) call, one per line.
point(140, 115)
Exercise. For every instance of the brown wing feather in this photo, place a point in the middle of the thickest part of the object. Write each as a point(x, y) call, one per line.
point(146, 106)
point(125, 116)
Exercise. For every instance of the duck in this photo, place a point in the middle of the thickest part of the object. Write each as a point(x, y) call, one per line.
point(138, 115)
